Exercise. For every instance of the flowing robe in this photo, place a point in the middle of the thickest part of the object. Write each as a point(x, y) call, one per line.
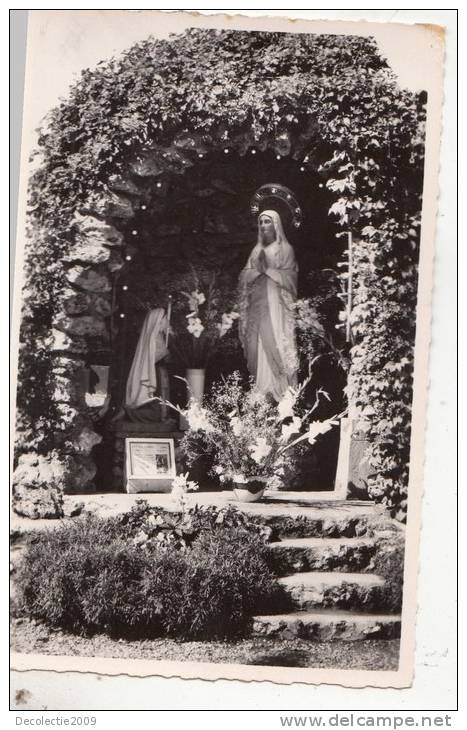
point(146, 378)
point(267, 317)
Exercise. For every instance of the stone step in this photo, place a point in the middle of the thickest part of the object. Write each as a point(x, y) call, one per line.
point(316, 589)
point(328, 625)
point(298, 518)
point(320, 553)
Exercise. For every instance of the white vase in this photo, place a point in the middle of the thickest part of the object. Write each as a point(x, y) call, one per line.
point(244, 495)
point(250, 489)
point(195, 379)
point(195, 386)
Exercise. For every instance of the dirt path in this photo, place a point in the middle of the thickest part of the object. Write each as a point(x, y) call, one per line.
point(29, 637)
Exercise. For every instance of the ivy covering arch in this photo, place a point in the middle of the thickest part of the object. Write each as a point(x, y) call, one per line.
point(330, 102)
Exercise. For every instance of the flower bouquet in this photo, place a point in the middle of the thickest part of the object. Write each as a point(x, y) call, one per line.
point(247, 435)
point(200, 324)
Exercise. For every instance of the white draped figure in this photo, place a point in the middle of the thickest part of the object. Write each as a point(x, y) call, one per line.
point(145, 380)
point(268, 289)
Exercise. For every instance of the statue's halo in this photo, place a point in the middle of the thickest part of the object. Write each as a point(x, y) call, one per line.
point(274, 196)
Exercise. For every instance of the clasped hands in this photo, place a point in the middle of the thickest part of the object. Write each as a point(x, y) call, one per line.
point(261, 263)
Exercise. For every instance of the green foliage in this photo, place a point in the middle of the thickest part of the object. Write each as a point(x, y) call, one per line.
point(327, 100)
point(388, 562)
point(91, 576)
point(150, 527)
point(215, 588)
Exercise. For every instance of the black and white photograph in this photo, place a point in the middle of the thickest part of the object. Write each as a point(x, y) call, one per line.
point(222, 322)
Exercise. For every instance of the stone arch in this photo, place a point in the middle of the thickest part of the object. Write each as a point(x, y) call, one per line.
point(313, 104)
point(93, 261)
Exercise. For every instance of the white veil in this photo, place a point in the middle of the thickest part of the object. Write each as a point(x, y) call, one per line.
point(142, 380)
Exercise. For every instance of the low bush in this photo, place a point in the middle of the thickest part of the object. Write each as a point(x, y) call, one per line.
point(83, 577)
point(94, 576)
point(212, 590)
point(153, 526)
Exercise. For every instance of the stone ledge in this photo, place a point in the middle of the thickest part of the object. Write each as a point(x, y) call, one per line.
point(318, 589)
point(167, 428)
point(328, 626)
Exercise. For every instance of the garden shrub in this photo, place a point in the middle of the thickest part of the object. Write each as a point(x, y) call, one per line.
point(93, 576)
point(84, 577)
point(212, 590)
point(153, 525)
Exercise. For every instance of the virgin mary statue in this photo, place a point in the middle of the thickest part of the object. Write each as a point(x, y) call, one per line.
point(268, 289)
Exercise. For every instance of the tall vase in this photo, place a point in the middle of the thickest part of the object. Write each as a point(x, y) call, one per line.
point(195, 379)
point(195, 386)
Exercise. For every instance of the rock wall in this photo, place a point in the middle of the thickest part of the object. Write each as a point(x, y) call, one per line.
point(81, 324)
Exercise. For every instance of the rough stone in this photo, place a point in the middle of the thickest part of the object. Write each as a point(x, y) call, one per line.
point(283, 145)
point(88, 279)
point(85, 326)
point(86, 440)
point(73, 509)
point(147, 166)
point(320, 553)
point(329, 519)
point(79, 474)
point(91, 228)
point(70, 424)
point(73, 367)
point(324, 589)
point(189, 141)
point(75, 302)
point(68, 390)
point(101, 306)
point(123, 185)
point(78, 302)
point(328, 625)
point(87, 250)
point(62, 342)
point(110, 206)
point(70, 378)
point(115, 262)
point(38, 486)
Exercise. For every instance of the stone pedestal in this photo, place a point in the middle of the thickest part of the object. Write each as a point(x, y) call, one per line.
point(125, 429)
point(352, 466)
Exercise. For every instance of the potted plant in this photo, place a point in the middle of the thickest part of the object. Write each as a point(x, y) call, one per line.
point(247, 435)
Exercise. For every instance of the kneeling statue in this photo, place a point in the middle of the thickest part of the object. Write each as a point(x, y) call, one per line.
point(148, 380)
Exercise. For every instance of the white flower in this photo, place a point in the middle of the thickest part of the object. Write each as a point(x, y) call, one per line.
point(140, 538)
point(260, 449)
point(197, 418)
point(195, 326)
point(286, 404)
point(237, 425)
point(316, 428)
point(239, 478)
point(152, 520)
point(255, 397)
point(227, 322)
point(195, 298)
point(181, 481)
point(178, 493)
point(290, 428)
point(219, 470)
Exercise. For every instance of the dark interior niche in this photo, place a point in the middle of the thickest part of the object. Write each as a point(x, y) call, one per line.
point(202, 220)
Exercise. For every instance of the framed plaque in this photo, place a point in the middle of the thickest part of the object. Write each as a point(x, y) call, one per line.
point(149, 464)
